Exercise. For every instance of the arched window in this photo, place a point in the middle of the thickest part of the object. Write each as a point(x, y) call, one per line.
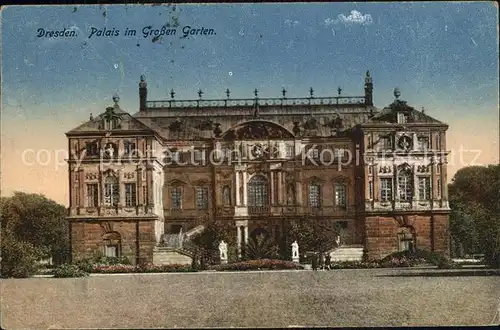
point(112, 244)
point(406, 239)
point(111, 191)
point(258, 191)
point(405, 185)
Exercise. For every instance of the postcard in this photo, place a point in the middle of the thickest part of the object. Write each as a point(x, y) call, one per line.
point(250, 165)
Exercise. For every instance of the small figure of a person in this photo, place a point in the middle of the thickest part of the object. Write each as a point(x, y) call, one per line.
point(321, 261)
point(314, 262)
point(328, 261)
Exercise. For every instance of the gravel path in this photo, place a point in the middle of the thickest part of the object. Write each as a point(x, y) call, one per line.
point(368, 297)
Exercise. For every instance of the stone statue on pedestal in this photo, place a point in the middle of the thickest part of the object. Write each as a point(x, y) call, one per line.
point(223, 252)
point(295, 252)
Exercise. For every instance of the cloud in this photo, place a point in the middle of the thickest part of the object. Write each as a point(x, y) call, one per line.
point(291, 23)
point(354, 18)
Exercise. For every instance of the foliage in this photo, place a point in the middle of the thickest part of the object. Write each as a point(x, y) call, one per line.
point(474, 196)
point(19, 258)
point(415, 258)
point(260, 264)
point(35, 220)
point(145, 268)
point(353, 265)
point(262, 247)
point(209, 240)
point(69, 270)
point(308, 236)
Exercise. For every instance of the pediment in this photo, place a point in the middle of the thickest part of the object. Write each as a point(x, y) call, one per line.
point(123, 121)
point(342, 180)
point(176, 182)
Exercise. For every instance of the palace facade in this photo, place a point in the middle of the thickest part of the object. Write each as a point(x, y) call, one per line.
point(374, 177)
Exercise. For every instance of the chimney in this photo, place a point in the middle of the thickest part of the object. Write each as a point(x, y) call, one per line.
point(143, 94)
point(368, 89)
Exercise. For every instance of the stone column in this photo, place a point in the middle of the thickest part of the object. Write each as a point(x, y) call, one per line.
point(245, 192)
point(238, 240)
point(246, 234)
point(81, 190)
point(375, 182)
point(121, 189)
point(238, 202)
point(271, 183)
point(280, 188)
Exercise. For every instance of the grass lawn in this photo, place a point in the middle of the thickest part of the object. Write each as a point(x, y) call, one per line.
point(366, 297)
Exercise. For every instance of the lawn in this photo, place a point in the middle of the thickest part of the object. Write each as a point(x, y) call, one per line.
point(367, 297)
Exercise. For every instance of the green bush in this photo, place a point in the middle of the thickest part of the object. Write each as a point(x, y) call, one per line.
point(260, 264)
point(417, 257)
point(84, 264)
point(68, 270)
point(19, 258)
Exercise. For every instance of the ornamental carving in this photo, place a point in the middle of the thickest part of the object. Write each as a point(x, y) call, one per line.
point(91, 176)
point(257, 130)
point(129, 175)
point(385, 169)
point(423, 169)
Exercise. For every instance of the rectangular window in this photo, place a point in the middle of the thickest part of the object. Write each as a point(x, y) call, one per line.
point(405, 187)
point(176, 198)
point(92, 195)
point(386, 142)
point(314, 153)
point(290, 151)
point(438, 142)
point(340, 195)
point(386, 189)
point(144, 195)
point(370, 189)
point(130, 194)
point(199, 155)
point(423, 142)
point(111, 251)
point(129, 148)
point(91, 149)
point(439, 188)
point(424, 188)
point(438, 169)
point(201, 198)
point(314, 195)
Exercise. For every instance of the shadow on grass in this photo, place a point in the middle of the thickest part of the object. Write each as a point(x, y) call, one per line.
point(449, 273)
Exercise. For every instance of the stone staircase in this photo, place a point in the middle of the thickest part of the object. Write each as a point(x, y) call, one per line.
point(347, 253)
point(179, 248)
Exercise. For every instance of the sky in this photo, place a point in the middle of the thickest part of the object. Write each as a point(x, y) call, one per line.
point(442, 56)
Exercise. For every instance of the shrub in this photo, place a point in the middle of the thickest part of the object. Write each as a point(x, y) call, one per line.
point(144, 268)
point(259, 264)
point(84, 264)
point(353, 265)
point(19, 258)
point(262, 247)
point(417, 257)
point(68, 270)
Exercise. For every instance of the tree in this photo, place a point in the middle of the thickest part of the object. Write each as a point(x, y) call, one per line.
point(209, 240)
point(261, 247)
point(36, 224)
point(310, 237)
point(474, 196)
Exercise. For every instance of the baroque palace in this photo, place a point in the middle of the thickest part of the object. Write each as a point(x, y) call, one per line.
point(374, 177)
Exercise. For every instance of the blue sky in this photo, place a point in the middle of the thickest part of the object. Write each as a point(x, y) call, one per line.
point(443, 56)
